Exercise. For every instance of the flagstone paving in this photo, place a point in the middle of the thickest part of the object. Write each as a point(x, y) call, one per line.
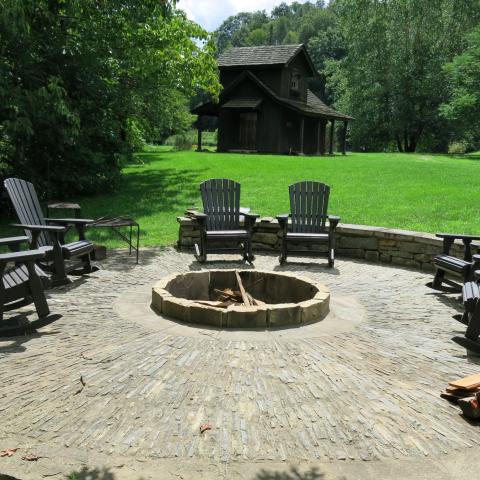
point(100, 381)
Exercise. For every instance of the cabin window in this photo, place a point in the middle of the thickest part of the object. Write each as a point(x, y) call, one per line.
point(295, 82)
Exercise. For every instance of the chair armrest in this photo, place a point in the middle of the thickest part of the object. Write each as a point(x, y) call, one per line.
point(39, 228)
point(200, 216)
point(455, 236)
point(252, 216)
point(449, 239)
point(13, 240)
point(70, 221)
point(24, 256)
point(283, 217)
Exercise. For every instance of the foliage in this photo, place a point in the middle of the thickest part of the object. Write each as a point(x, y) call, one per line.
point(458, 148)
point(392, 78)
point(183, 141)
point(464, 74)
point(395, 190)
point(83, 83)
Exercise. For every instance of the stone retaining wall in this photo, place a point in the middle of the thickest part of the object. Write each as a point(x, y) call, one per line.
point(376, 244)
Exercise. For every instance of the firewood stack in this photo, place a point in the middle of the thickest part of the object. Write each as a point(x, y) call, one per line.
point(466, 393)
point(228, 296)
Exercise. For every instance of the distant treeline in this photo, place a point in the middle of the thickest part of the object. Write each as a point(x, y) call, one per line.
point(407, 70)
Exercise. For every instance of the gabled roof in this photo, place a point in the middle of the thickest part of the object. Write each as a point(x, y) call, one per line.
point(314, 107)
point(268, 55)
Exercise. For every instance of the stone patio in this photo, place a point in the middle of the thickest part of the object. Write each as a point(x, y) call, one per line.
point(112, 385)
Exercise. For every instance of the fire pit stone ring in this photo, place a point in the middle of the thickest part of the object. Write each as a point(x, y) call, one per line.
point(213, 298)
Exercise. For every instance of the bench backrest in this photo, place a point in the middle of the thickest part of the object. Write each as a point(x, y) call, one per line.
point(221, 203)
point(308, 206)
point(25, 202)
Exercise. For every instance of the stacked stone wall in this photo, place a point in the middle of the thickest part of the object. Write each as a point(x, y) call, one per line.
point(375, 244)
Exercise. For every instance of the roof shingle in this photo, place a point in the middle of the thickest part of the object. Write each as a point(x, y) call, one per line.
point(263, 55)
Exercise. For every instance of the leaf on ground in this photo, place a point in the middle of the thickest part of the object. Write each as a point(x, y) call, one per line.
point(205, 426)
point(31, 457)
point(8, 452)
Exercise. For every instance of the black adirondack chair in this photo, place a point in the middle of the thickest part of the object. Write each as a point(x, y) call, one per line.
point(222, 230)
point(22, 283)
point(459, 269)
point(308, 221)
point(47, 234)
point(471, 316)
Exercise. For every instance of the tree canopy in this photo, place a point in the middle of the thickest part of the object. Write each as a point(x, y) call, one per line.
point(463, 72)
point(84, 82)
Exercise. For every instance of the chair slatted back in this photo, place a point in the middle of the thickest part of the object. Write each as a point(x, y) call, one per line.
point(221, 203)
point(26, 205)
point(308, 206)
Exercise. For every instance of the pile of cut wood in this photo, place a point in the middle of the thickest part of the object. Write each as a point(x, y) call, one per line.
point(466, 393)
point(227, 296)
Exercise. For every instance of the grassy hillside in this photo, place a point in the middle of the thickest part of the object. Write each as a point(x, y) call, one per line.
point(411, 191)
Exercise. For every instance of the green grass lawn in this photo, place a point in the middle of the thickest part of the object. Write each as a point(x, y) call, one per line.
point(422, 192)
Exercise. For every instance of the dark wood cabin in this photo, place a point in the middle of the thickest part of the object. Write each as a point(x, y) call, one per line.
point(266, 105)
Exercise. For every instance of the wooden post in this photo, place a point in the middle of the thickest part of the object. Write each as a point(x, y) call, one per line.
point(302, 130)
point(344, 138)
point(332, 129)
point(199, 140)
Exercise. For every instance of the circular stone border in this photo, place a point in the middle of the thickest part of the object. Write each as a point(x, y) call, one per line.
point(240, 316)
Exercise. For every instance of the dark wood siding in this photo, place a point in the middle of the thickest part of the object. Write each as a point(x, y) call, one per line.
point(300, 65)
point(271, 76)
point(269, 127)
point(310, 136)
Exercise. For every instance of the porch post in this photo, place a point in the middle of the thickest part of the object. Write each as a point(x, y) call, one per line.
point(344, 138)
point(302, 130)
point(332, 129)
point(199, 140)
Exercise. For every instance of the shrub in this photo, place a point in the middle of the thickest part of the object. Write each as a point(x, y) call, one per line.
point(183, 141)
point(458, 148)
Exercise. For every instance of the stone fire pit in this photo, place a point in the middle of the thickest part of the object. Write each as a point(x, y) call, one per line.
point(283, 299)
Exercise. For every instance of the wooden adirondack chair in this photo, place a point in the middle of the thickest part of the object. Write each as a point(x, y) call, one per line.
point(446, 264)
point(308, 215)
point(22, 284)
point(471, 316)
point(47, 234)
point(221, 223)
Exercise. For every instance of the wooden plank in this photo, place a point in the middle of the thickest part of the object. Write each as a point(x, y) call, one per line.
point(303, 205)
point(468, 383)
point(227, 218)
point(245, 298)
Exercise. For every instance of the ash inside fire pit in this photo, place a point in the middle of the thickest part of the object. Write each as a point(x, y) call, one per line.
point(241, 299)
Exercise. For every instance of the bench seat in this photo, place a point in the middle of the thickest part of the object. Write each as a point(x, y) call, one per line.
point(453, 264)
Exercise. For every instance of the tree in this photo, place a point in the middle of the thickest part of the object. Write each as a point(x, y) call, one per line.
point(391, 79)
point(82, 82)
point(463, 73)
point(259, 36)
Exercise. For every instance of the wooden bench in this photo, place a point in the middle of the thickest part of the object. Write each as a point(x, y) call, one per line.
point(221, 226)
point(460, 269)
point(471, 315)
point(21, 284)
point(308, 221)
point(47, 234)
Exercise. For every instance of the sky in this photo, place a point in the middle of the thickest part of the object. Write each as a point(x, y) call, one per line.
point(211, 13)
